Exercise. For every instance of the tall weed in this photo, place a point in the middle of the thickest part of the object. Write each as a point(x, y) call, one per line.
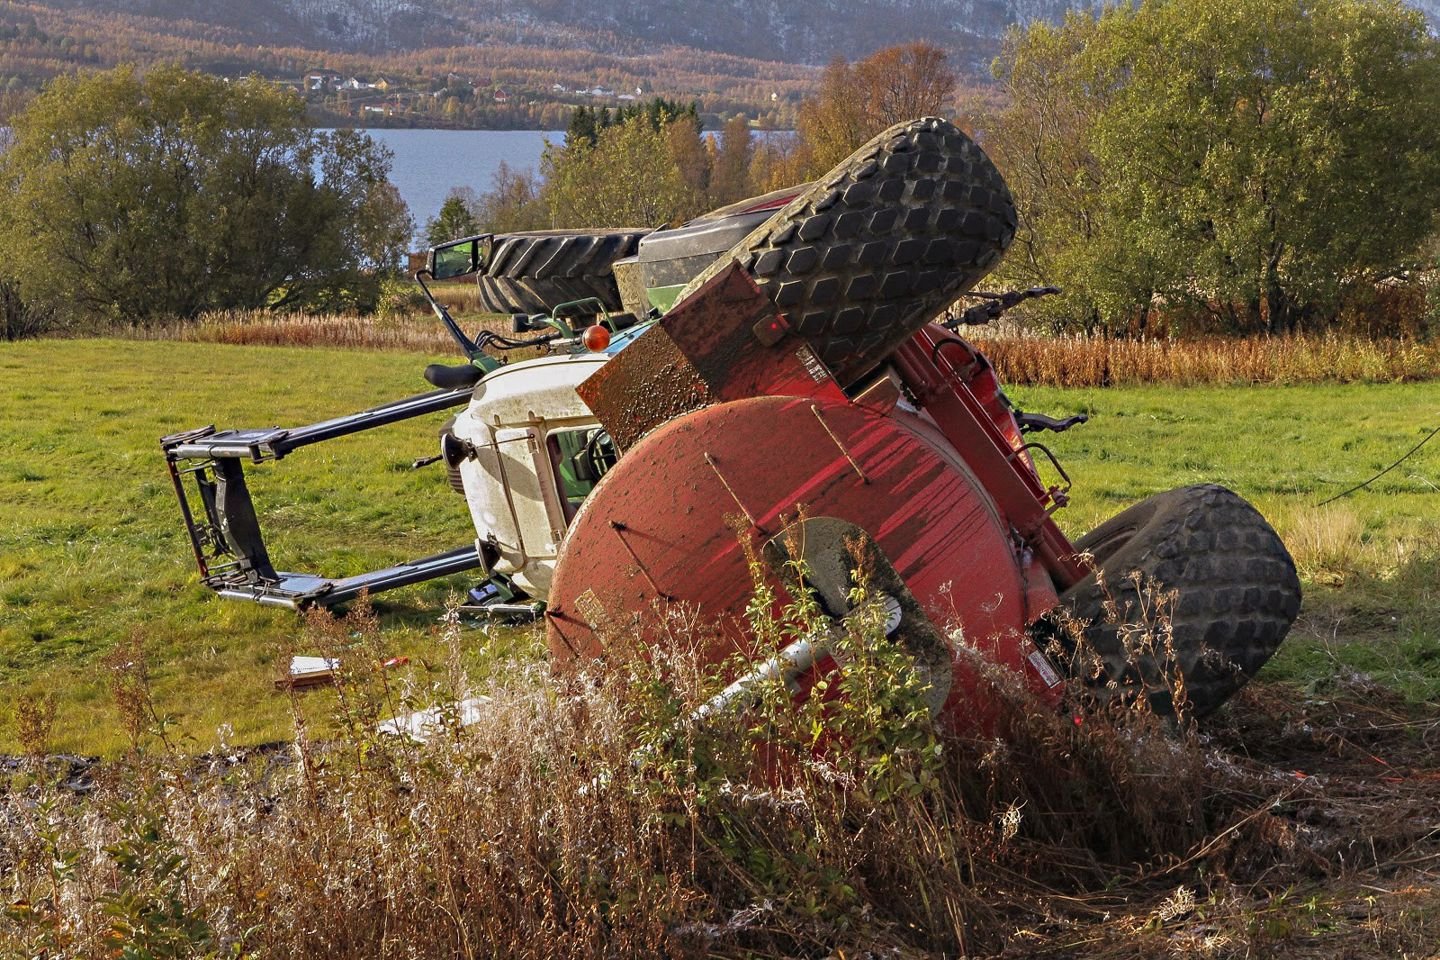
point(611, 811)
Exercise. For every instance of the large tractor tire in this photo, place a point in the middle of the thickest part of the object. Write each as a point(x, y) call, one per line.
point(881, 244)
point(534, 272)
point(1236, 595)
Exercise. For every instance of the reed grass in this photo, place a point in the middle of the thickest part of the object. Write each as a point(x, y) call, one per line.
point(354, 331)
point(1069, 361)
point(1022, 360)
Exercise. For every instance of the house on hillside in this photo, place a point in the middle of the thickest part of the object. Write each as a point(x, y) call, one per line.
point(501, 96)
point(318, 81)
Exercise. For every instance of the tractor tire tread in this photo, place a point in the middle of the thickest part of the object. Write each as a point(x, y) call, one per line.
point(917, 216)
point(1237, 593)
point(532, 272)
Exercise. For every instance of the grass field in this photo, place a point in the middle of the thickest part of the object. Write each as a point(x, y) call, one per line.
point(92, 551)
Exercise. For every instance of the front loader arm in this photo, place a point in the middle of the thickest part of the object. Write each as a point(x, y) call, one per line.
point(225, 531)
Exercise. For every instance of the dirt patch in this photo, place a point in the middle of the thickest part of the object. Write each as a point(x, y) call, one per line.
point(1330, 847)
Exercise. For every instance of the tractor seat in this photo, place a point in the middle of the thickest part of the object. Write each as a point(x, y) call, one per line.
point(452, 378)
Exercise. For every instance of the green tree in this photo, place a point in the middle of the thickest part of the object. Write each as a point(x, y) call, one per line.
point(18, 318)
point(584, 126)
point(456, 218)
point(1255, 162)
point(632, 176)
point(130, 197)
point(659, 112)
point(587, 122)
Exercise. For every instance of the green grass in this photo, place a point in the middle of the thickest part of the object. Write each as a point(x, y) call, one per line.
point(92, 550)
point(1370, 562)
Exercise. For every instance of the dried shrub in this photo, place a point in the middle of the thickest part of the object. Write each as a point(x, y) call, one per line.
point(607, 812)
point(128, 670)
point(34, 719)
point(20, 318)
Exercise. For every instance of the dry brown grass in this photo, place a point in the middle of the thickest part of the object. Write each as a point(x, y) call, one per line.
point(592, 816)
point(404, 322)
point(259, 328)
point(1100, 362)
point(1325, 540)
point(1021, 360)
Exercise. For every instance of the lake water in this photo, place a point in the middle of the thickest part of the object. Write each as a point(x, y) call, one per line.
point(430, 163)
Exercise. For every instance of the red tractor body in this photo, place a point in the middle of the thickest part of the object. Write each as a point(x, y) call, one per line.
point(754, 435)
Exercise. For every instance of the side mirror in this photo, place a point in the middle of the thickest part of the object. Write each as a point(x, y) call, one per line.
point(459, 257)
point(523, 323)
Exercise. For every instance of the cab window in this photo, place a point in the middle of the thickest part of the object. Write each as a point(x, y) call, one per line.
point(579, 458)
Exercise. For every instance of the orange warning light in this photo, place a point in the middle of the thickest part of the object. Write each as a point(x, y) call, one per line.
point(596, 338)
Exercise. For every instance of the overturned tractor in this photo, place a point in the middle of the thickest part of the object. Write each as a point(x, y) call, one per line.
point(793, 400)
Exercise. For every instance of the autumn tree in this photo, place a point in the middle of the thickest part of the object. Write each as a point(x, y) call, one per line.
point(688, 153)
point(1255, 162)
point(513, 202)
point(730, 167)
point(130, 197)
point(857, 101)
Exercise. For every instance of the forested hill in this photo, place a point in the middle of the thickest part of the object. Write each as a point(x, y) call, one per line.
point(505, 63)
point(793, 31)
point(790, 31)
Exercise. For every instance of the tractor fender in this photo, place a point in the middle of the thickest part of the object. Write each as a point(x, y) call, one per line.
point(672, 527)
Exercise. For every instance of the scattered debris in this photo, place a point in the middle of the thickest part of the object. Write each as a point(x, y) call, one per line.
point(306, 672)
point(421, 725)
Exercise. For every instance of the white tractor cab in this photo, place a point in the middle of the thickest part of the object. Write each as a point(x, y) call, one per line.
point(529, 449)
point(524, 452)
point(532, 452)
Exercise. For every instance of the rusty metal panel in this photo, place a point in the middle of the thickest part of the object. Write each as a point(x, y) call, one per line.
point(647, 383)
point(724, 342)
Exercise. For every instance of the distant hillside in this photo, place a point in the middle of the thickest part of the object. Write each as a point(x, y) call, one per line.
point(507, 63)
point(792, 31)
point(501, 75)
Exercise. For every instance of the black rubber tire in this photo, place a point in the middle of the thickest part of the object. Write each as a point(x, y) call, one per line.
point(880, 245)
point(1237, 595)
point(534, 272)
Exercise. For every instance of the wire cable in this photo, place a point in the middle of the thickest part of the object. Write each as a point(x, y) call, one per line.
point(1361, 486)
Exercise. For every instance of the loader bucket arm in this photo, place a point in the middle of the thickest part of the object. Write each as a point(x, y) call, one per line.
point(224, 529)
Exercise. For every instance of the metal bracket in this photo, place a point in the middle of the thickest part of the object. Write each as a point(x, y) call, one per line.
point(225, 533)
point(1059, 496)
